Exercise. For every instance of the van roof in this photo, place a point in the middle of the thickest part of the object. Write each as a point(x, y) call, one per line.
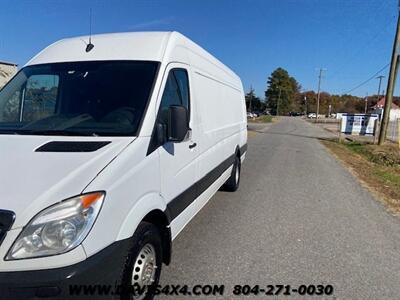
point(146, 46)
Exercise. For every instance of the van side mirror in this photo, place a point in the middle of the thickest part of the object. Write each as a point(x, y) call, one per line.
point(178, 123)
point(161, 133)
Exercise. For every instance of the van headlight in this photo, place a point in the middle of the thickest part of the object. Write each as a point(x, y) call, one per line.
point(59, 228)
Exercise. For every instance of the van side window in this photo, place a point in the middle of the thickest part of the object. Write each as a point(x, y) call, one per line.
point(171, 95)
point(176, 92)
point(183, 83)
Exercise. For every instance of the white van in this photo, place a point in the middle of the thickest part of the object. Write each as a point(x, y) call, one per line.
point(107, 150)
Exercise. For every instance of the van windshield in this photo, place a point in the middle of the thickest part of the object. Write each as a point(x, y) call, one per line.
point(105, 98)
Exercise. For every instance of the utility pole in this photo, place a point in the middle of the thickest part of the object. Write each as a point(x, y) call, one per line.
point(277, 104)
point(379, 86)
point(366, 103)
point(391, 82)
point(305, 106)
point(251, 98)
point(319, 91)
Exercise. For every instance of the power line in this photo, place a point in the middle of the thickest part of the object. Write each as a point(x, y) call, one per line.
point(369, 42)
point(366, 81)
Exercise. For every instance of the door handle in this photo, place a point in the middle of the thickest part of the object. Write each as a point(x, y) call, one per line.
point(191, 146)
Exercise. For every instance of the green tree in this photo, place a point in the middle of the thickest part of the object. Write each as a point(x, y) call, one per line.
point(254, 103)
point(339, 103)
point(282, 92)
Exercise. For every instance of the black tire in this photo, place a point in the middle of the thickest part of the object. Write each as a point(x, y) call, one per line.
point(232, 184)
point(145, 234)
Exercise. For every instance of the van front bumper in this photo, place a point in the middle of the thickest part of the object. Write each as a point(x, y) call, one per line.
point(72, 282)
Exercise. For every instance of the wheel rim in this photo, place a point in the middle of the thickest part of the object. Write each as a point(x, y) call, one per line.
point(144, 269)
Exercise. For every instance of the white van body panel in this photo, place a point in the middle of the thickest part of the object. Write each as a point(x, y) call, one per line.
point(131, 183)
point(136, 182)
point(36, 180)
point(50, 178)
point(114, 46)
point(178, 224)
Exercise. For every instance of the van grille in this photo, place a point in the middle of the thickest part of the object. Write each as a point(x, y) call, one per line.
point(6, 221)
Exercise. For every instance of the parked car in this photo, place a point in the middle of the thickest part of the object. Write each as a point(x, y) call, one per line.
point(312, 115)
point(250, 115)
point(114, 155)
point(256, 114)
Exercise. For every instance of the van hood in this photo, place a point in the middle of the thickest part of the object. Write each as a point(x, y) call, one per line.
point(38, 171)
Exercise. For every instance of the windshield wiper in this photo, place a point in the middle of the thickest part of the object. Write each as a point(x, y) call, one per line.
point(49, 132)
point(8, 131)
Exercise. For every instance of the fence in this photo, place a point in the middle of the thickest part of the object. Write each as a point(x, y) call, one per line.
point(393, 131)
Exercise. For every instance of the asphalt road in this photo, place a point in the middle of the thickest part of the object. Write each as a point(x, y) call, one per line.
point(298, 218)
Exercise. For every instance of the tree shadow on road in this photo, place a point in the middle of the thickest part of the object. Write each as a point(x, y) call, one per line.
point(296, 135)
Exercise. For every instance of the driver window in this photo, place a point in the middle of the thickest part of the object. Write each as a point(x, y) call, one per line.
point(176, 92)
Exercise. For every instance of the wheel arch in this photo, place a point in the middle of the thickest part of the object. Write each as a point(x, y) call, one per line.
point(237, 151)
point(152, 209)
point(162, 222)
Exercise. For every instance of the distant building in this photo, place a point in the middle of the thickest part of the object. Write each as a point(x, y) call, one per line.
point(379, 107)
point(7, 70)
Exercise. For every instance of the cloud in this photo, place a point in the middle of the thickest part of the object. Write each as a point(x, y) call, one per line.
point(152, 23)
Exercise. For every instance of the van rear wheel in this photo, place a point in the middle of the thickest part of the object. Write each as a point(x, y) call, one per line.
point(143, 265)
point(232, 184)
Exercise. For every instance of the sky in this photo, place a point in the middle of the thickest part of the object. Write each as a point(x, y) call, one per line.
point(350, 39)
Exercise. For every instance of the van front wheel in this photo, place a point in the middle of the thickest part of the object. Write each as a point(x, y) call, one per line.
point(143, 265)
point(232, 184)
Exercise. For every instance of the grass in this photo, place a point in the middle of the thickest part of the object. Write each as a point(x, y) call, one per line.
point(378, 167)
point(389, 177)
point(386, 155)
point(262, 119)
